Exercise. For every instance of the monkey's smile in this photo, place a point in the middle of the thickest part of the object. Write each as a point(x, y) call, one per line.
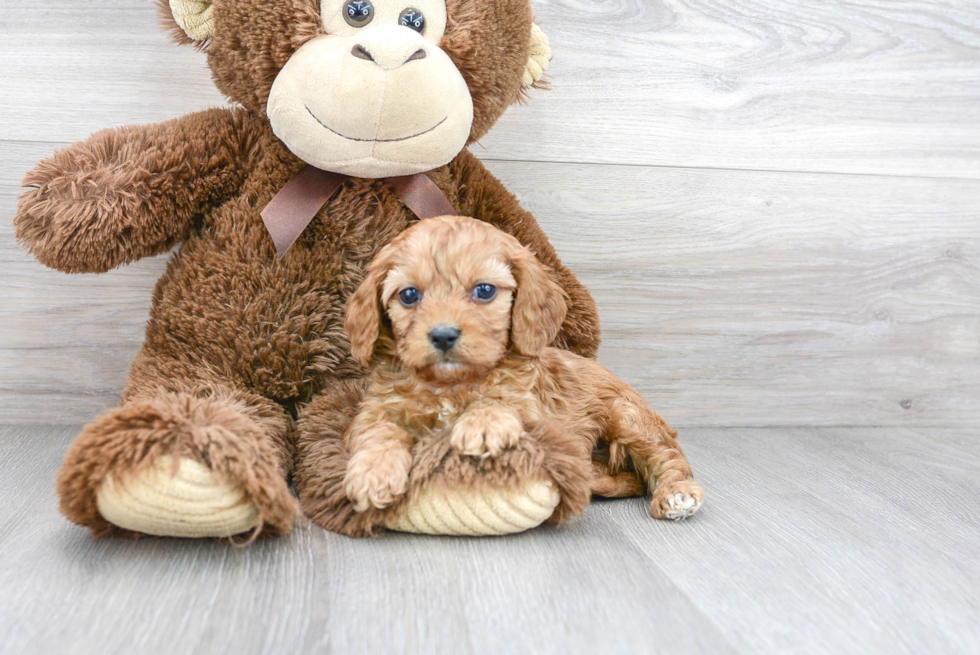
point(350, 138)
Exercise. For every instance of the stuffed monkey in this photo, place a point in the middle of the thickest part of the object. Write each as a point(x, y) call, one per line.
point(245, 379)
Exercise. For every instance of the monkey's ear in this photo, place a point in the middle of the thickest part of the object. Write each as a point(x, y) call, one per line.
point(189, 21)
point(538, 57)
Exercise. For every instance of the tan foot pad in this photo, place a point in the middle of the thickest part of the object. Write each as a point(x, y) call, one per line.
point(192, 503)
point(478, 513)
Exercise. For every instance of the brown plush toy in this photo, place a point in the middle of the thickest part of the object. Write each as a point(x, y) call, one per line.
point(246, 377)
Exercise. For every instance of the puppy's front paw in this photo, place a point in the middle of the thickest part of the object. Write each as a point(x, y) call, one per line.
point(676, 500)
point(377, 478)
point(486, 431)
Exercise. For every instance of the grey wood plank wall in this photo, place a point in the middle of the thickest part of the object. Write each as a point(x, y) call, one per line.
point(775, 204)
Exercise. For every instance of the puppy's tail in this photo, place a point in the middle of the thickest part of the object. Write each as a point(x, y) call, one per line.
point(615, 485)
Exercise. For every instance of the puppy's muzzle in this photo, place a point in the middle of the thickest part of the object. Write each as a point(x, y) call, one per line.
point(444, 337)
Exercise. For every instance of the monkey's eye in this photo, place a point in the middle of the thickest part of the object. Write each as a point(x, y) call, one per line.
point(413, 19)
point(484, 292)
point(409, 296)
point(358, 13)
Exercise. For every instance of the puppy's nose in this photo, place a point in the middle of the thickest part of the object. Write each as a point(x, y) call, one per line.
point(444, 337)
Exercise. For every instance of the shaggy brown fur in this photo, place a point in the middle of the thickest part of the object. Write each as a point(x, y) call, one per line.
point(490, 402)
point(239, 345)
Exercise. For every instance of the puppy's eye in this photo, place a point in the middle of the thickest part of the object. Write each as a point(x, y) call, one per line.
point(412, 18)
point(409, 296)
point(358, 13)
point(484, 292)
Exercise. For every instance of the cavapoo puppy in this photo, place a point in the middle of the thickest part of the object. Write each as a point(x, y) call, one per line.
point(454, 319)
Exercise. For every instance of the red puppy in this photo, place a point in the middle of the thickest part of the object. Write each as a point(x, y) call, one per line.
point(462, 350)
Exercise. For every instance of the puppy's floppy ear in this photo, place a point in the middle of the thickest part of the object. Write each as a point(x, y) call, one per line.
point(363, 317)
point(539, 304)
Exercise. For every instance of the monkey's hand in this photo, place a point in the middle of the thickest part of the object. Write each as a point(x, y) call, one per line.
point(130, 192)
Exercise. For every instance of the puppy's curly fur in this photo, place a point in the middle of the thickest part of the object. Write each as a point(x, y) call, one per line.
point(492, 382)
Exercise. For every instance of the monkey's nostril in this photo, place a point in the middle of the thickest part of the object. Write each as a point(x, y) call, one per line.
point(444, 337)
point(361, 52)
point(418, 54)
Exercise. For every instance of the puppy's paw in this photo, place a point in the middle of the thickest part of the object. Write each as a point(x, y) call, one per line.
point(676, 500)
point(377, 478)
point(486, 431)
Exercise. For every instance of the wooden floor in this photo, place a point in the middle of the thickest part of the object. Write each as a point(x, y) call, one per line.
point(812, 541)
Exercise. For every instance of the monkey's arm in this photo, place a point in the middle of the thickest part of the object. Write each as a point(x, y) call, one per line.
point(131, 192)
point(484, 197)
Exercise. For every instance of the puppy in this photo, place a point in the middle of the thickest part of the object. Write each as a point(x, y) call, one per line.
point(454, 319)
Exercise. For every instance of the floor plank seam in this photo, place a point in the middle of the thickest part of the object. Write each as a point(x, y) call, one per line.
point(723, 169)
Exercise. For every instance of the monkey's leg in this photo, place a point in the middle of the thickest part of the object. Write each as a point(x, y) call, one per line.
point(181, 457)
point(322, 457)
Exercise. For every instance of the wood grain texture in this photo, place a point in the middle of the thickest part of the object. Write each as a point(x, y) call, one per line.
point(853, 525)
point(875, 86)
point(837, 540)
point(728, 298)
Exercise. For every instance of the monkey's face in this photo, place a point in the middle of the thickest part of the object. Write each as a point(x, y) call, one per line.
point(369, 88)
point(375, 96)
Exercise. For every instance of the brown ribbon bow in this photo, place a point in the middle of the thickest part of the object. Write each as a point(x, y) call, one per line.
point(297, 203)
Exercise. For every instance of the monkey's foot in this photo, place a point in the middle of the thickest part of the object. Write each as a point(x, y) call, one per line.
point(472, 512)
point(182, 499)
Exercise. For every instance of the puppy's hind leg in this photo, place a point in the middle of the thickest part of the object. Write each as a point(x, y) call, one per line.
point(652, 446)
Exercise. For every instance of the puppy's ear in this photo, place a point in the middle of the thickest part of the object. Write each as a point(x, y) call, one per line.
point(539, 304)
point(363, 317)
